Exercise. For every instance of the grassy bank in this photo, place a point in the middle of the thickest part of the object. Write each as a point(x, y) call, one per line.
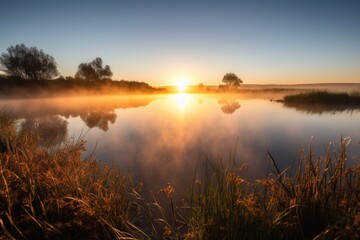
point(54, 194)
point(324, 97)
point(318, 102)
point(321, 201)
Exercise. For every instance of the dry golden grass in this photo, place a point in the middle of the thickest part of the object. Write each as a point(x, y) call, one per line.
point(320, 201)
point(54, 194)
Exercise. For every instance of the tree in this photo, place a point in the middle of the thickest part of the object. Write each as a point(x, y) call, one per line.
point(93, 71)
point(232, 81)
point(28, 63)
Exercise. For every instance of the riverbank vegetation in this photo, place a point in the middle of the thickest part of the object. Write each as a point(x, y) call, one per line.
point(32, 73)
point(324, 97)
point(318, 102)
point(20, 88)
point(54, 193)
point(319, 201)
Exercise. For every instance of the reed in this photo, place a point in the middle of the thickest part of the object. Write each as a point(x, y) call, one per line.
point(323, 97)
point(54, 194)
point(322, 199)
point(319, 201)
point(226, 206)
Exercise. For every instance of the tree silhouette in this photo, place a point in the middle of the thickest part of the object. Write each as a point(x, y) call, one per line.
point(93, 71)
point(28, 63)
point(232, 81)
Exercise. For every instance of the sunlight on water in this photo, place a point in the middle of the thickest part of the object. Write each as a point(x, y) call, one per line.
point(181, 101)
point(161, 139)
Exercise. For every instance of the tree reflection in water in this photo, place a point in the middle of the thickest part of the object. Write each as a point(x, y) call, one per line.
point(52, 130)
point(229, 106)
point(98, 118)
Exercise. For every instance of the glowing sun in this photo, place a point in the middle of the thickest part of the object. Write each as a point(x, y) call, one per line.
point(181, 83)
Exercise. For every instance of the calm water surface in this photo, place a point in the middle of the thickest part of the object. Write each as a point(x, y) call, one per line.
point(163, 139)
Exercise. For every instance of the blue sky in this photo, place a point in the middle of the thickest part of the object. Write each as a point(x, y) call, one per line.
point(157, 41)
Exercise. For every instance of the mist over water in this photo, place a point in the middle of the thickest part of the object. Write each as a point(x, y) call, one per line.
point(164, 139)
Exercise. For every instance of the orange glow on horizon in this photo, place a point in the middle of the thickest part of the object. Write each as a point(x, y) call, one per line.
point(182, 83)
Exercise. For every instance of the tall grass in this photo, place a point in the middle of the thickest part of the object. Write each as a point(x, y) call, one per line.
point(226, 206)
point(323, 97)
point(318, 102)
point(56, 195)
point(320, 201)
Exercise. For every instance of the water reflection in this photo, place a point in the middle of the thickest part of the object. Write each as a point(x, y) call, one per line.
point(161, 139)
point(100, 119)
point(322, 108)
point(52, 130)
point(73, 107)
point(229, 106)
point(39, 114)
point(181, 100)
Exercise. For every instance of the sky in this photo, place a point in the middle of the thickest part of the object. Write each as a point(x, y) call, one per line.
point(263, 42)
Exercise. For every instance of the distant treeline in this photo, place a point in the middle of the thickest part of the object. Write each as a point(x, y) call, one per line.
point(32, 73)
point(17, 87)
point(20, 63)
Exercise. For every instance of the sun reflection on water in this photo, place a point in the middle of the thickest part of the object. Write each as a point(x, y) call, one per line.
point(181, 100)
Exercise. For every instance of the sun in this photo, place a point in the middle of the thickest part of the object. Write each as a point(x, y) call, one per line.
point(181, 83)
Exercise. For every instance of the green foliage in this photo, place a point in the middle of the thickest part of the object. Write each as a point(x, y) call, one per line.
point(93, 71)
point(28, 63)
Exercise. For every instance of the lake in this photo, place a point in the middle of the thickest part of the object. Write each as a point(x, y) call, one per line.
point(160, 139)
